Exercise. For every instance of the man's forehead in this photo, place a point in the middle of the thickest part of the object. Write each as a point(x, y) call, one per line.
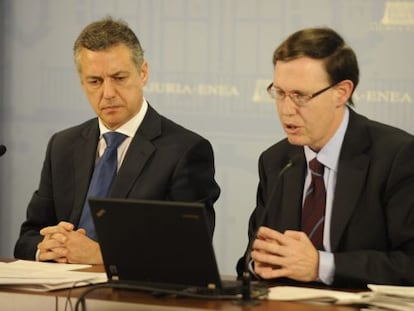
point(303, 69)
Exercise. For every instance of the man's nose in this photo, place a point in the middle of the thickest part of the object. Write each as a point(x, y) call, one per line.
point(109, 89)
point(287, 106)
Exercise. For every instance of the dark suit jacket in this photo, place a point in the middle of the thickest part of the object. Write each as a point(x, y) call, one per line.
point(164, 162)
point(372, 225)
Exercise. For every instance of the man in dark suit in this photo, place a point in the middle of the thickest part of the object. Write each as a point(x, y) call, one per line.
point(366, 223)
point(158, 159)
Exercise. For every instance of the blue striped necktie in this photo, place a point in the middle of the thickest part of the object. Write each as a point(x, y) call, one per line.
point(313, 212)
point(102, 178)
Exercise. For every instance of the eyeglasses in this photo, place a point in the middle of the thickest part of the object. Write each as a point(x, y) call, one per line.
point(297, 98)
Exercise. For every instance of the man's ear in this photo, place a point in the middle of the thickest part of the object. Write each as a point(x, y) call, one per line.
point(144, 72)
point(343, 92)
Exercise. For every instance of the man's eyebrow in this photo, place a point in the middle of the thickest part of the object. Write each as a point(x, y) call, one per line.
point(291, 91)
point(93, 77)
point(115, 74)
point(121, 72)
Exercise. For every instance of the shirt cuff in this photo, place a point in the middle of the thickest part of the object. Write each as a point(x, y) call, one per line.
point(326, 267)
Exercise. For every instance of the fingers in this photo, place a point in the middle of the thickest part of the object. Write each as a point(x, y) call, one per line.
point(55, 255)
point(269, 253)
point(266, 233)
point(52, 246)
point(50, 249)
point(63, 227)
point(52, 236)
point(61, 243)
point(289, 254)
point(270, 272)
point(81, 231)
point(297, 235)
point(82, 249)
point(273, 242)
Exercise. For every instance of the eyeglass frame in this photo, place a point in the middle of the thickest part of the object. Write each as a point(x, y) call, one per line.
point(306, 98)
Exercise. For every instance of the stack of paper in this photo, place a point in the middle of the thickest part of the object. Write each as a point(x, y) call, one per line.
point(293, 293)
point(41, 276)
point(398, 298)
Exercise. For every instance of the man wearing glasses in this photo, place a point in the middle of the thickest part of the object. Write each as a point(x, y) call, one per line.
point(335, 200)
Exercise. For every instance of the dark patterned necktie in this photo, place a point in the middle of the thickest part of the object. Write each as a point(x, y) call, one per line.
point(102, 178)
point(313, 212)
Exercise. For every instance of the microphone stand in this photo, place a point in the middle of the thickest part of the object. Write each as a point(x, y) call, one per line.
point(246, 286)
point(247, 299)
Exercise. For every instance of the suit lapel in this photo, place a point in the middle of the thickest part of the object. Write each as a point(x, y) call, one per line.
point(84, 154)
point(138, 153)
point(288, 207)
point(352, 170)
point(292, 198)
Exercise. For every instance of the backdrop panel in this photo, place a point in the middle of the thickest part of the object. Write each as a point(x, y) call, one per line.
point(210, 62)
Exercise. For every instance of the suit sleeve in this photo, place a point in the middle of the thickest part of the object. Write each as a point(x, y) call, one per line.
point(261, 198)
point(392, 264)
point(40, 213)
point(193, 179)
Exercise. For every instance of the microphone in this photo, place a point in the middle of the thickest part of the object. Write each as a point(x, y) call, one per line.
point(246, 277)
point(3, 150)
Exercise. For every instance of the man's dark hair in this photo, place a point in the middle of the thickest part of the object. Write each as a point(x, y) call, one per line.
point(106, 33)
point(325, 44)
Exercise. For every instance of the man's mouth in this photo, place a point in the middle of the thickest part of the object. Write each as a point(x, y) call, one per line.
point(291, 128)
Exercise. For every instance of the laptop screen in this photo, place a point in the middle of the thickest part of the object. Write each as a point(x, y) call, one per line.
point(155, 242)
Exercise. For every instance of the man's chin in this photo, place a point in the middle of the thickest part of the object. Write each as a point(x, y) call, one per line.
point(112, 123)
point(294, 140)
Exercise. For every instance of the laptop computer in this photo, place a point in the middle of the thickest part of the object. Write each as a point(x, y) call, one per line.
point(159, 245)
